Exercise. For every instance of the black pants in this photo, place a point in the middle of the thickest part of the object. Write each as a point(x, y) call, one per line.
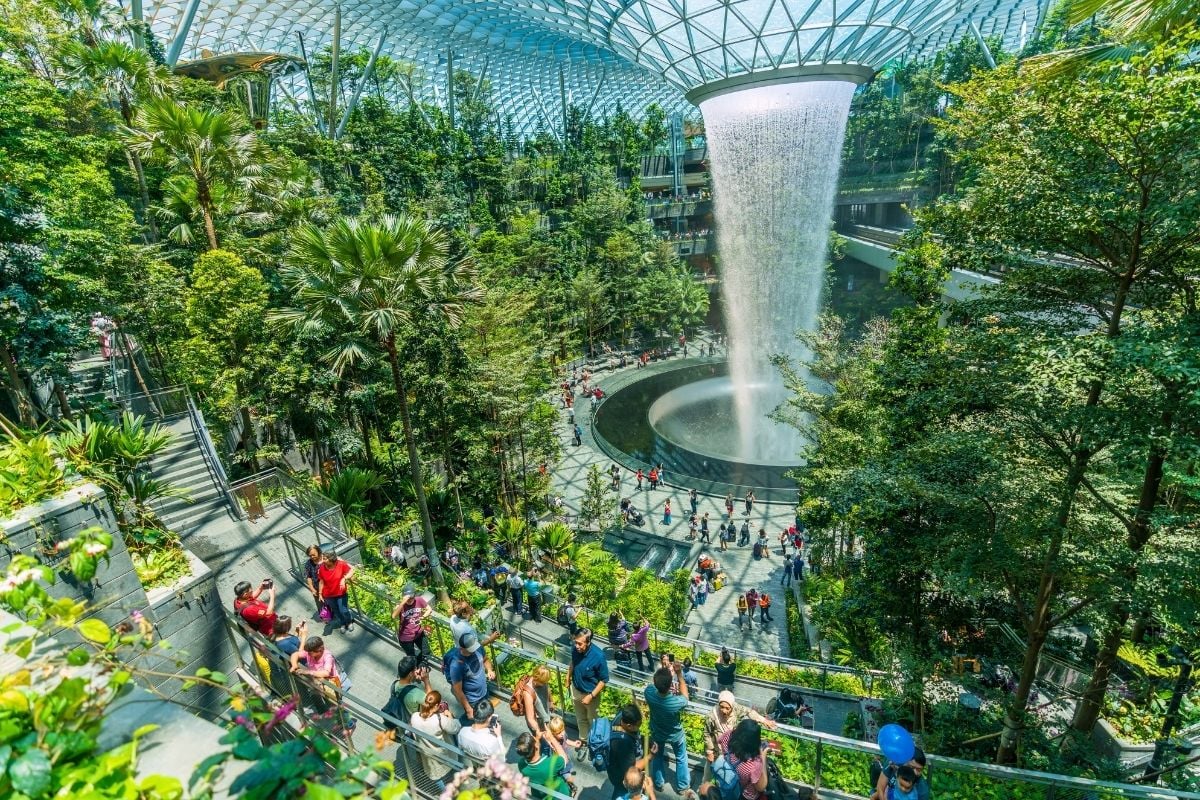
point(418, 647)
point(535, 607)
point(649, 659)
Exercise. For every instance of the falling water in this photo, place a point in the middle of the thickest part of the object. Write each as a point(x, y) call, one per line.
point(774, 153)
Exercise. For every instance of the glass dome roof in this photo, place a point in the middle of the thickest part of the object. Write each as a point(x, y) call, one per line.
point(601, 52)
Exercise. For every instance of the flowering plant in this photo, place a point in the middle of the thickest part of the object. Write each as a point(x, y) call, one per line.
point(491, 780)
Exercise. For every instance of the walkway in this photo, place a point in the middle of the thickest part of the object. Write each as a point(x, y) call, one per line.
point(718, 617)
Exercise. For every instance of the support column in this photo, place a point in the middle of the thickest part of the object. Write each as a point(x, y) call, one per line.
point(450, 85)
point(335, 55)
point(185, 27)
point(362, 82)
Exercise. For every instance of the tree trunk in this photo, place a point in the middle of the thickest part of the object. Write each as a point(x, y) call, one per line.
point(17, 390)
point(414, 468)
point(1139, 533)
point(1014, 715)
point(205, 200)
point(366, 434)
point(123, 341)
point(64, 405)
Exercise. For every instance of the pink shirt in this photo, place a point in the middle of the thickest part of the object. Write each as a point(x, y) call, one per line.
point(323, 665)
point(749, 772)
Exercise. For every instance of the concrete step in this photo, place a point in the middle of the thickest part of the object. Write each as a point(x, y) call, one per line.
point(190, 517)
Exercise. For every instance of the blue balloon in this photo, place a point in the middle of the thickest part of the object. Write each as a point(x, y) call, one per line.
point(896, 743)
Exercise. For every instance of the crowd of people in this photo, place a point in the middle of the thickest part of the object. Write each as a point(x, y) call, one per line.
point(639, 753)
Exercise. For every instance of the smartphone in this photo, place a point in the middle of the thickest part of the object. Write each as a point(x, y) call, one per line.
point(671, 658)
point(443, 707)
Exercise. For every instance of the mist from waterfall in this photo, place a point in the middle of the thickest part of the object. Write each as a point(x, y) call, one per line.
point(774, 153)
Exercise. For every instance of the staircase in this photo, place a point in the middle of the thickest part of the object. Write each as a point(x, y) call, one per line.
point(184, 466)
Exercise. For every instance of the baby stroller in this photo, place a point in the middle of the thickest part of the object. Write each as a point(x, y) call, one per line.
point(789, 708)
point(630, 514)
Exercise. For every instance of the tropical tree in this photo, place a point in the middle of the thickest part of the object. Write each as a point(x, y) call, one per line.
point(122, 74)
point(554, 542)
point(215, 150)
point(363, 283)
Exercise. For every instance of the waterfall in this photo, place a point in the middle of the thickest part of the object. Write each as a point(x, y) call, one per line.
point(774, 154)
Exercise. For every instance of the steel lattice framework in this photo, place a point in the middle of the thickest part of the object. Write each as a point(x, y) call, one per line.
point(539, 54)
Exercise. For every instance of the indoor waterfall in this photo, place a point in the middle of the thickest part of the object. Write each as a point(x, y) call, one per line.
point(774, 154)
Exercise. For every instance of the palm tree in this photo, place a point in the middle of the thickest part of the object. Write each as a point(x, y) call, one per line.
point(1131, 24)
point(216, 149)
point(364, 282)
point(554, 542)
point(121, 74)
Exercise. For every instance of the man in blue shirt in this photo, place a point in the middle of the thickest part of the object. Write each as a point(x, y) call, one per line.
point(666, 728)
point(587, 675)
point(468, 674)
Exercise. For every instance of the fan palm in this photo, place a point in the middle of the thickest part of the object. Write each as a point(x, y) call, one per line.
point(513, 533)
point(554, 542)
point(364, 282)
point(213, 148)
point(121, 74)
point(1132, 24)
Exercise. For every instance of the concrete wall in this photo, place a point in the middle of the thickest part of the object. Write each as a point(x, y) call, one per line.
point(184, 615)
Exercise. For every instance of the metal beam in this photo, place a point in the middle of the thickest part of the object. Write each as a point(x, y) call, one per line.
point(599, 85)
point(295, 105)
point(362, 82)
point(334, 76)
point(185, 27)
point(562, 96)
point(450, 84)
point(139, 19)
point(546, 115)
point(312, 93)
point(478, 87)
point(987, 54)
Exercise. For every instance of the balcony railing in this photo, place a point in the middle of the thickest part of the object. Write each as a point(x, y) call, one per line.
point(275, 489)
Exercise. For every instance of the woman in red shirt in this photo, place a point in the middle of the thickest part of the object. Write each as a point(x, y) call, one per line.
point(334, 574)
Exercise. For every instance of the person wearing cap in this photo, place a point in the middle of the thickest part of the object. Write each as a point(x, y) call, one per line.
point(410, 615)
point(481, 739)
point(724, 717)
point(460, 623)
point(468, 676)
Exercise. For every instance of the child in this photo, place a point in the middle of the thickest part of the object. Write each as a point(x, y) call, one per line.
point(558, 730)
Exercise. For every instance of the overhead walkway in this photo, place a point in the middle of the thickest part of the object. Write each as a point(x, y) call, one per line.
point(839, 766)
point(877, 247)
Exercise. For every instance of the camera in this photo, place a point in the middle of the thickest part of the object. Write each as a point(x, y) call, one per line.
point(268, 583)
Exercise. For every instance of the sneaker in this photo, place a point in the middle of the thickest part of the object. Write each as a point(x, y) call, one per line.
point(348, 629)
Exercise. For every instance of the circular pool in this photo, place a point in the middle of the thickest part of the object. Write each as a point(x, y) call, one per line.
point(684, 419)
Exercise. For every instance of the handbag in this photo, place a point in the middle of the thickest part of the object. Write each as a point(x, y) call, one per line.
point(325, 614)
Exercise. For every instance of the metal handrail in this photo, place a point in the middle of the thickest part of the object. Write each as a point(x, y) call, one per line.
point(209, 453)
point(1085, 786)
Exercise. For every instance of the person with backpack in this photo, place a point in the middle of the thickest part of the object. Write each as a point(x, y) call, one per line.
point(624, 748)
point(466, 674)
point(412, 680)
point(533, 596)
point(885, 779)
point(460, 623)
point(410, 615)
point(666, 729)
point(568, 615)
point(587, 675)
point(430, 716)
point(743, 607)
point(531, 699)
point(499, 578)
point(743, 748)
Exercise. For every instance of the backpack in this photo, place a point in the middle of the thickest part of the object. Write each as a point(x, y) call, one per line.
point(777, 788)
point(561, 616)
point(725, 777)
point(599, 743)
point(395, 707)
point(448, 660)
point(517, 703)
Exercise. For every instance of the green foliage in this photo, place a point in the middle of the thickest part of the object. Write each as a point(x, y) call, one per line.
point(351, 489)
point(29, 472)
point(597, 510)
